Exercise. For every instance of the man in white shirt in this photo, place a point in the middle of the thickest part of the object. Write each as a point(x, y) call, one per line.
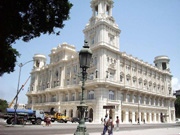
point(105, 124)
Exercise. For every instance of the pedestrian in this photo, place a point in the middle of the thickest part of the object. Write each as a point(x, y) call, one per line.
point(117, 123)
point(144, 121)
point(105, 125)
point(110, 126)
point(47, 121)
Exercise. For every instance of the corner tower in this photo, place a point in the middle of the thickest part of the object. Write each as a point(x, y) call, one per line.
point(102, 29)
point(39, 61)
point(162, 62)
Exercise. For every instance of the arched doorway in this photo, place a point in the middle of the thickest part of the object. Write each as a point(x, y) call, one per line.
point(130, 116)
point(122, 116)
point(71, 113)
point(78, 113)
point(91, 113)
point(152, 117)
point(147, 117)
point(110, 113)
point(65, 112)
point(161, 117)
point(136, 116)
point(157, 117)
point(52, 111)
point(142, 117)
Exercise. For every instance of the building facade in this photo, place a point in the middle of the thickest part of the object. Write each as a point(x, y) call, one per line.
point(118, 84)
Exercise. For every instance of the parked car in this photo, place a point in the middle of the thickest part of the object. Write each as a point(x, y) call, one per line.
point(88, 119)
point(75, 119)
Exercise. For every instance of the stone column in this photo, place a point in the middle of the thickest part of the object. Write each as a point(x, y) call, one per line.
point(139, 117)
point(155, 120)
point(159, 119)
point(169, 111)
point(133, 117)
point(145, 117)
point(74, 112)
point(150, 117)
point(127, 117)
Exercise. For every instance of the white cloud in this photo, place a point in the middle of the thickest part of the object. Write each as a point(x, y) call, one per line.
point(175, 84)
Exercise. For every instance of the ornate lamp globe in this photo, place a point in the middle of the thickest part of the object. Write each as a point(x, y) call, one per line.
point(85, 56)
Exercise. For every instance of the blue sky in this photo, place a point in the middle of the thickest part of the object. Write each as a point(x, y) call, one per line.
point(148, 28)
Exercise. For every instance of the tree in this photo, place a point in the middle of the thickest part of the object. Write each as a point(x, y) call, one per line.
point(3, 105)
point(177, 107)
point(27, 19)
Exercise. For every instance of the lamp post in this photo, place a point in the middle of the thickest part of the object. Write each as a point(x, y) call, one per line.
point(15, 106)
point(85, 56)
point(138, 114)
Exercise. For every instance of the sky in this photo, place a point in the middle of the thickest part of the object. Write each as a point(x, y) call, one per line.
point(149, 28)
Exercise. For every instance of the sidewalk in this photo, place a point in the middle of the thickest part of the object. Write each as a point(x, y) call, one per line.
point(162, 131)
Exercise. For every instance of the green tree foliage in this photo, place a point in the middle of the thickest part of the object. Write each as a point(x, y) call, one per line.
point(3, 105)
point(27, 19)
point(177, 107)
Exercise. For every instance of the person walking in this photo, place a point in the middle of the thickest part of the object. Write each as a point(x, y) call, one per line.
point(117, 123)
point(110, 126)
point(105, 125)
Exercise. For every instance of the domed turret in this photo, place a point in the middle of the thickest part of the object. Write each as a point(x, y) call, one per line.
point(162, 62)
point(39, 61)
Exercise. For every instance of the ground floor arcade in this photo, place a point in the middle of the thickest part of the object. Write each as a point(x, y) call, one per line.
point(127, 113)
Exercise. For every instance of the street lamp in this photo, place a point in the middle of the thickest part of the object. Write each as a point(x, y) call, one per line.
point(85, 56)
point(15, 106)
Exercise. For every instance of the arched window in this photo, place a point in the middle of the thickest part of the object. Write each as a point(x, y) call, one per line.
point(66, 97)
point(91, 94)
point(128, 78)
point(122, 97)
point(53, 98)
point(147, 100)
point(140, 81)
point(150, 84)
point(73, 97)
point(128, 98)
point(121, 77)
point(145, 83)
point(135, 98)
point(134, 80)
point(95, 60)
point(154, 86)
point(141, 99)
point(111, 95)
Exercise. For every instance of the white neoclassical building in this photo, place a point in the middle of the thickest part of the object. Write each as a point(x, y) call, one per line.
point(118, 84)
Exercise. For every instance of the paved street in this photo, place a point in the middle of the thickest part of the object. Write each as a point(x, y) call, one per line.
point(93, 129)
